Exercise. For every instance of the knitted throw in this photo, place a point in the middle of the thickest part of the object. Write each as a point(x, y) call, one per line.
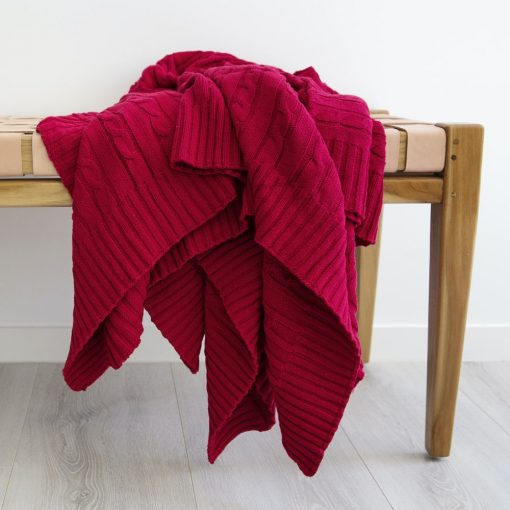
point(226, 198)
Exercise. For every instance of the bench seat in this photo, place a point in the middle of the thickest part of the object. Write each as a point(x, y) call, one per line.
point(411, 146)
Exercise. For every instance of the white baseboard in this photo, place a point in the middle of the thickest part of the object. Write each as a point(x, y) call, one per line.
point(390, 343)
point(482, 342)
point(51, 344)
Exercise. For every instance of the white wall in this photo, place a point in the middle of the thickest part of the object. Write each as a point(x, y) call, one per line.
point(435, 60)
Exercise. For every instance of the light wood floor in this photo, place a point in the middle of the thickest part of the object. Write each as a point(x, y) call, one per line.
point(136, 440)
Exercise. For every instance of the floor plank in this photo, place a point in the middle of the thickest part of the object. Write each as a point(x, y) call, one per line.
point(487, 385)
point(16, 382)
point(254, 471)
point(119, 445)
point(385, 422)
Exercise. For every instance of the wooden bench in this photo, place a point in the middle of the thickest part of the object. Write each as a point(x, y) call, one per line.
point(437, 164)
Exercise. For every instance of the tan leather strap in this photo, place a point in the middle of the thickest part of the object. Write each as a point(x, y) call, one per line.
point(425, 143)
point(10, 154)
point(40, 160)
point(426, 147)
point(392, 149)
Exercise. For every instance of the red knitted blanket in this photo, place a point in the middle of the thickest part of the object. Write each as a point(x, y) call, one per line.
point(226, 198)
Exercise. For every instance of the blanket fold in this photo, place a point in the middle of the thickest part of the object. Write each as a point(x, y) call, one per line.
point(226, 198)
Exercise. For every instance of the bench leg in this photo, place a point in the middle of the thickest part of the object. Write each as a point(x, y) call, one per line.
point(367, 262)
point(452, 241)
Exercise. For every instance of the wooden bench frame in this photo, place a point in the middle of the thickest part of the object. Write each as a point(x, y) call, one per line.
point(454, 196)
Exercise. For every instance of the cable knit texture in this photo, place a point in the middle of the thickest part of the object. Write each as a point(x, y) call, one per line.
point(226, 198)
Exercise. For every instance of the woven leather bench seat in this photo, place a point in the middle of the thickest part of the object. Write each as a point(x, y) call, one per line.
point(411, 146)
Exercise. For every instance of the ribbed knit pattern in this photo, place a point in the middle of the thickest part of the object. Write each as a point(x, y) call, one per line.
point(227, 199)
